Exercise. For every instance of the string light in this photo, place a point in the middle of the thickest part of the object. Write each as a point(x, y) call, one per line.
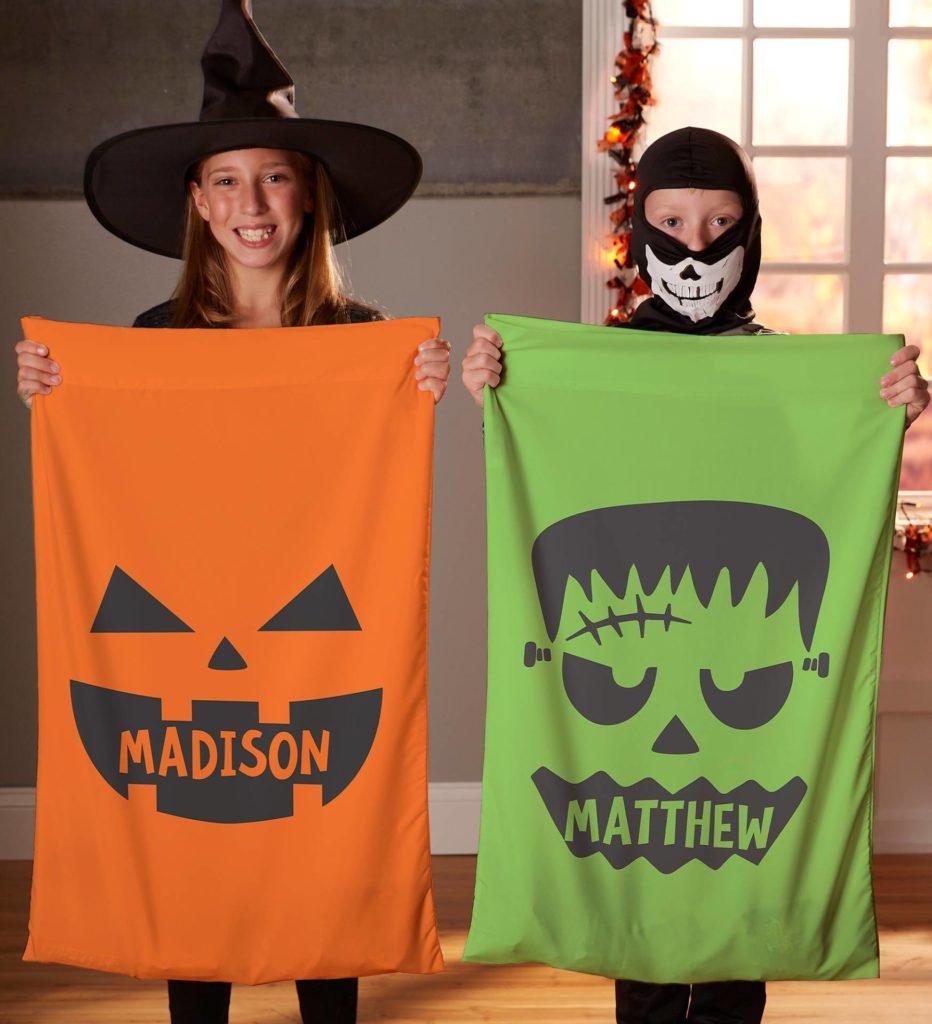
point(917, 541)
point(632, 90)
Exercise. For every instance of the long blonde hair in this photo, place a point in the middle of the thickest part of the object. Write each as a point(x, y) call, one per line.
point(312, 289)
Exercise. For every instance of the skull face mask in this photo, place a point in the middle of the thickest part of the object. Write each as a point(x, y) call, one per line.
point(705, 292)
point(692, 288)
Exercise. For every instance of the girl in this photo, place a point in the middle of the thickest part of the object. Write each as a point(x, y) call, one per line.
point(696, 240)
point(245, 197)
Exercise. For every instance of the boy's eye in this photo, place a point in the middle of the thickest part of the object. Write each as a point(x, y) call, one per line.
point(670, 222)
point(723, 221)
point(222, 181)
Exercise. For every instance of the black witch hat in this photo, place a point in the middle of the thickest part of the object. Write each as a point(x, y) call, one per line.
point(135, 183)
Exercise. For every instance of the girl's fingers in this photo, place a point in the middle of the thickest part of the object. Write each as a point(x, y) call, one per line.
point(28, 373)
point(435, 371)
point(30, 346)
point(26, 391)
point(436, 387)
point(432, 343)
point(432, 355)
point(37, 363)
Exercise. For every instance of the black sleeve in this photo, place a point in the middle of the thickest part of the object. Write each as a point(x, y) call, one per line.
point(157, 316)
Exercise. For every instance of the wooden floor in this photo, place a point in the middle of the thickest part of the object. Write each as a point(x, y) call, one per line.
point(39, 993)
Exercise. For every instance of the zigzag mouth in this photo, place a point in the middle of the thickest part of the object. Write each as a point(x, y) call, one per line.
point(668, 829)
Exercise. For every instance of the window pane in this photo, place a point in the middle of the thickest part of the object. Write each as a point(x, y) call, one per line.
point(689, 12)
point(805, 111)
point(911, 12)
point(800, 303)
point(909, 212)
point(803, 13)
point(686, 92)
point(909, 92)
point(802, 202)
point(907, 299)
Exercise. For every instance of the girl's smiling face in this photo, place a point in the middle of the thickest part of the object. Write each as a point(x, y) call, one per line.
point(254, 201)
point(693, 216)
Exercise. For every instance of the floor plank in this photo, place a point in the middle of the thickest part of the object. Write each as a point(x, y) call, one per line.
point(40, 993)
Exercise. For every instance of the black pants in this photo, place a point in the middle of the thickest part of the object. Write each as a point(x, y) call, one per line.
point(208, 1002)
point(717, 1002)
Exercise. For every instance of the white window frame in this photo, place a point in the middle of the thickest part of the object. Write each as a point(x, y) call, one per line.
point(863, 269)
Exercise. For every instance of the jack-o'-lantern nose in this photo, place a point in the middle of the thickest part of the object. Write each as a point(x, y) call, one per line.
point(675, 739)
point(226, 658)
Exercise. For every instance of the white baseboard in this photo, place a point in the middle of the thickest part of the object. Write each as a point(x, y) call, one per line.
point(454, 823)
point(454, 819)
point(17, 822)
point(902, 835)
point(454, 816)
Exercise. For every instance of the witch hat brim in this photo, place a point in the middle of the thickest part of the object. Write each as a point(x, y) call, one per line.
point(136, 183)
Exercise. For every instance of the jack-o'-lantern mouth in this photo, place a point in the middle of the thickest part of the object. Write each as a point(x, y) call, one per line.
point(668, 829)
point(224, 765)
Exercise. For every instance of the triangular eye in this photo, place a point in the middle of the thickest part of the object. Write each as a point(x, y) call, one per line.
point(127, 607)
point(322, 605)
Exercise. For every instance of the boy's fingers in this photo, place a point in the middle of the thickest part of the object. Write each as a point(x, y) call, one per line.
point(432, 343)
point(481, 331)
point(903, 354)
point(483, 345)
point(905, 397)
point(912, 383)
point(903, 370)
point(482, 362)
point(915, 408)
point(480, 378)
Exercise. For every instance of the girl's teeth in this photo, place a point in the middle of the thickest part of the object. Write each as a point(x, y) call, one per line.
point(254, 235)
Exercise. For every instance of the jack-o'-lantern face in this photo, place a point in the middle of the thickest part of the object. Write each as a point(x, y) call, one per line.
point(224, 765)
point(675, 628)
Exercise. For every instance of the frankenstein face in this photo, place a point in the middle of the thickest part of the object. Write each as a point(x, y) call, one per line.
point(681, 625)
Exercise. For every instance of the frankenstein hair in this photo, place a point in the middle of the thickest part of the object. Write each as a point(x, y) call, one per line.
point(702, 536)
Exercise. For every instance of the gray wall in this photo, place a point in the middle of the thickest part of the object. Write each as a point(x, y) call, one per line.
point(488, 90)
point(459, 258)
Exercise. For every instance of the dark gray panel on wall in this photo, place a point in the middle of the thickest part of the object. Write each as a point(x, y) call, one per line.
point(488, 90)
